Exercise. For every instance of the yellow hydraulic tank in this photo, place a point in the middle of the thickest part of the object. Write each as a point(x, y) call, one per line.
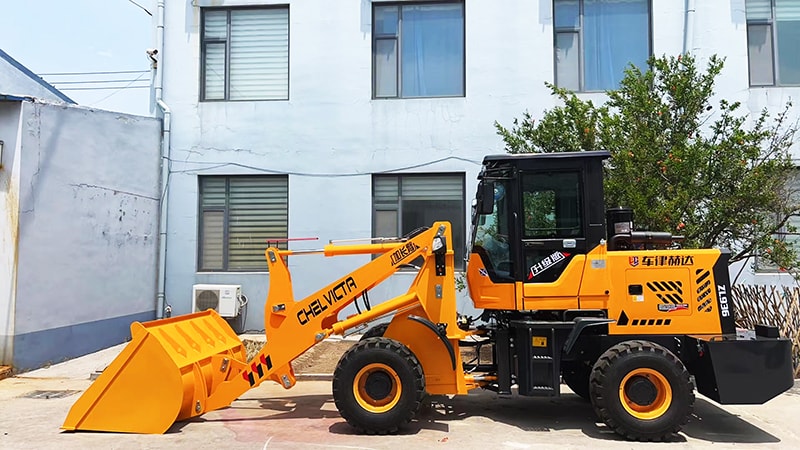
point(165, 374)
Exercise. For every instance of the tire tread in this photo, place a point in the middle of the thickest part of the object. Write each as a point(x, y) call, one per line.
point(600, 374)
point(372, 344)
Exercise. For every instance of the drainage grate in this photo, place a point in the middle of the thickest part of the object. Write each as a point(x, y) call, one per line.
point(535, 428)
point(49, 394)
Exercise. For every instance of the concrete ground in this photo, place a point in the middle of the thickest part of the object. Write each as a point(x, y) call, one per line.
point(305, 417)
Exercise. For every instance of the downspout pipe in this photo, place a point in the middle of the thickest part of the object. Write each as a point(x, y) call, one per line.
point(162, 307)
point(688, 27)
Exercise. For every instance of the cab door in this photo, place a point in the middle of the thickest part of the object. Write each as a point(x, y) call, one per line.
point(553, 235)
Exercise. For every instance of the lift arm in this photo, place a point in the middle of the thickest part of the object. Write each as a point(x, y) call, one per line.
point(293, 327)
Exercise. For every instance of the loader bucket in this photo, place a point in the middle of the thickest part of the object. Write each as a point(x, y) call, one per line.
point(163, 375)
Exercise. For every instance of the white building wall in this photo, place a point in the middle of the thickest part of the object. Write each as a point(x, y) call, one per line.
point(330, 124)
point(721, 28)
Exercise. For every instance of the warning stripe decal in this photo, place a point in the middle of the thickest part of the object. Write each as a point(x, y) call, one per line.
point(257, 368)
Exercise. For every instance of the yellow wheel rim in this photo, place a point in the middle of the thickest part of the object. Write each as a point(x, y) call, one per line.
point(377, 388)
point(651, 404)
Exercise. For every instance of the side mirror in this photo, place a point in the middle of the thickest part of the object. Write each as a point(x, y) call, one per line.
point(485, 198)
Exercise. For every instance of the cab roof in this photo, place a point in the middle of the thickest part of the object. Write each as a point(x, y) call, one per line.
point(547, 156)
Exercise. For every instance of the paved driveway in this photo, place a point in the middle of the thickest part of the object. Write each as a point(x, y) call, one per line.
point(306, 418)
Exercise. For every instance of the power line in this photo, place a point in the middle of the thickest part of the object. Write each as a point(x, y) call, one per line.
point(209, 165)
point(101, 88)
point(56, 83)
point(128, 86)
point(95, 73)
point(143, 8)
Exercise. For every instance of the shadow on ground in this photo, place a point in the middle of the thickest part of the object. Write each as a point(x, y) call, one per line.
point(714, 424)
point(537, 415)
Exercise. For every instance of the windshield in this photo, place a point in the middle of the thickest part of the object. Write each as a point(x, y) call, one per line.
point(490, 232)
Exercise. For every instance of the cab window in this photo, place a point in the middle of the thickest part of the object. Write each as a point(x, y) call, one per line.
point(551, 205)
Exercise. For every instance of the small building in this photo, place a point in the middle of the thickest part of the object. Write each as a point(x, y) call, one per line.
point(79, 230)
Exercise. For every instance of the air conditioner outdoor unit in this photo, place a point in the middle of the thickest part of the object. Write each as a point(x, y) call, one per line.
point(224, 298)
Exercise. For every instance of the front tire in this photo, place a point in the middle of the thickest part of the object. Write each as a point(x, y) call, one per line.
point(642, 391)
point(378, 385)
point(376, 331)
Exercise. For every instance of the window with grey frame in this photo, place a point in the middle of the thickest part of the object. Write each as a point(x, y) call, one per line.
point(790, 231)
point(403, 203)
point(418, 50)
point(239, 215)
point(596, 40)
point(245, 54)
point(773, 31)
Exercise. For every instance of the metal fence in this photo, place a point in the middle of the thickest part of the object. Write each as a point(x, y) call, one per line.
point(772, 305)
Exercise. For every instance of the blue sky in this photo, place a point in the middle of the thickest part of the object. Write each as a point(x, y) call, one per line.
point(57, 36)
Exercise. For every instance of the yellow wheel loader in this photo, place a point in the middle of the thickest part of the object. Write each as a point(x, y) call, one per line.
point(569, 291)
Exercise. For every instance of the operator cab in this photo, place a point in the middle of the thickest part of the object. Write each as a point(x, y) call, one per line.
point(533, 215)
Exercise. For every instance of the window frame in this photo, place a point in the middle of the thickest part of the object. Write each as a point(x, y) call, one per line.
point(579, 30)
point(773, 57)
point(398, 207)
point(569, 30)
point(225, 210)
point(398, 39)
point(771, 22)
point(227, 42)
point(763, 267)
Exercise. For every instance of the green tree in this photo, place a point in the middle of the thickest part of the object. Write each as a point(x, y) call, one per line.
point(711, 174)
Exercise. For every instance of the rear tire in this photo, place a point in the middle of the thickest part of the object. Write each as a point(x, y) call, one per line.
point(642, 391)
point(378, 385)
